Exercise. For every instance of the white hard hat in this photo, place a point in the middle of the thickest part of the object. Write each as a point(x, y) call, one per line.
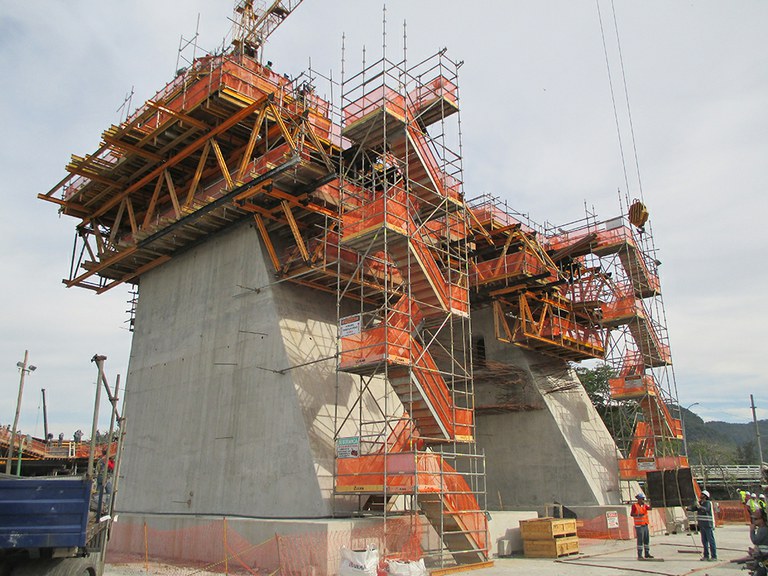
point(753, 495)
point(762, 496)
point(705, 493)
point(640, 495)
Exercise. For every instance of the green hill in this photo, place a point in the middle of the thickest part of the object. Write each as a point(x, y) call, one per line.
point(723, 442)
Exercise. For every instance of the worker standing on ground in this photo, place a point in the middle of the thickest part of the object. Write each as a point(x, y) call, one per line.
point(639, 512)
point(705, 518)
point(752, 504)
point(758, 534)
point(761, 503)
point(743, 495)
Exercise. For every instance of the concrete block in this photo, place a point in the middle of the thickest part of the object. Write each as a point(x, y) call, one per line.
point(504, 531)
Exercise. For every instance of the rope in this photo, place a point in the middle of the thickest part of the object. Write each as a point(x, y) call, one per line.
point(613, 97)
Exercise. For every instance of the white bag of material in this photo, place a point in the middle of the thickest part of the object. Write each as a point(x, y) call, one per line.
point(359, 562)
point(399, 568)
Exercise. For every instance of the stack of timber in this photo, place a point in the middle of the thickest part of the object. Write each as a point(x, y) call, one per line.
point(549, 537)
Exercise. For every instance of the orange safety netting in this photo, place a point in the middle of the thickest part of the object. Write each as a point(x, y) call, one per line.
point(630, 387)
point(381, 98)
point(512, 266)
point(447, 185)
point(427, 94)
point(393, 343)
point(397, 473)
point(619, 527)
point(731, 512)
point(230, 545)
point(389, 209)
point(383, 343)
point(622, 310)
point(416, 473)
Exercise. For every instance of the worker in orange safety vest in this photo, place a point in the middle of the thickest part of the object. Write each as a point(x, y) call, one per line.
point(639, 512)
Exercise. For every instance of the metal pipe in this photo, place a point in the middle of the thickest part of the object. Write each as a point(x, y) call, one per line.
point(9, 456)
point(45, 417)
point(100, 364)
point(103, 476)
point(757, 434)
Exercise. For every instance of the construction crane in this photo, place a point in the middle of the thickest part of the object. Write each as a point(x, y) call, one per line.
point(254, 23)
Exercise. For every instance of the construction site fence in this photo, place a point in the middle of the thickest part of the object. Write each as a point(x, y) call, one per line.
point(230, 546)
point(731, 512)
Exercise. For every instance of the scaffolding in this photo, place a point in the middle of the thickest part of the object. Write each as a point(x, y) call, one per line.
point(401, 207)
point(645, 414)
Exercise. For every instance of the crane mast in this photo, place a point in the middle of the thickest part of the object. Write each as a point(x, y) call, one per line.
point(255, 21)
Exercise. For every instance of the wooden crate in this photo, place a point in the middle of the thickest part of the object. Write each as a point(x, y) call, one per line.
point(547, 528)
point(553, 548)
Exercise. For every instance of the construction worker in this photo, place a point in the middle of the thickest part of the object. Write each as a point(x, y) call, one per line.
point(758, 533)
point(639, 512)
point(752, 504)
point(705, 517)
point(761, 503)
point(743, 495)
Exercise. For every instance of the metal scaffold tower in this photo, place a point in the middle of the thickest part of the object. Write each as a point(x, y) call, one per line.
point(644, 412)
point(647, 424)
point(407, 336)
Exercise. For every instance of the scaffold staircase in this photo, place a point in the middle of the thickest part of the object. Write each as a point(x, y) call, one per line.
point(399, 204)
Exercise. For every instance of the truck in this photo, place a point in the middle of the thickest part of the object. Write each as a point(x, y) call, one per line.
point(48, 526)
point(54, 519)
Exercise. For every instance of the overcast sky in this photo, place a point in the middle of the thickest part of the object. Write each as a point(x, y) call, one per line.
point(538, 131)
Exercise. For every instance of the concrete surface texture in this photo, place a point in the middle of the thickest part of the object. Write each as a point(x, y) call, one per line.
point(557, 438)
point(216, 424)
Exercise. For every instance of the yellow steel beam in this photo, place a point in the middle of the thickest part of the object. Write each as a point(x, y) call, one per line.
point(283, 128)
point(131, 216)
point(153, 202)
point(138, 272)
point(91, 175)
point(172, 193)
point(222, 163)
point(295, 229)
point(186, 152)
point(115, 143)
point(251, 144)
point(198, 174)
point(267, 241)
point(178, 115)
point(103, 264)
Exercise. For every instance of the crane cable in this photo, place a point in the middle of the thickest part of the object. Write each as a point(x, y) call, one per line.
point(626, 95)
point(613, 96)
point(634, 149)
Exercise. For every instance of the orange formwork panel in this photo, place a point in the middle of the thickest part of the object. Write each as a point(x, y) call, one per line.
point(434, 100)
point(630, 387)
point(510, 267)
point(397, 473)
point(380, 99)
point(369, 348)
point(458, 422)
point(622, 311)
point(636, 468)
point(432, 178)
point(383, 210)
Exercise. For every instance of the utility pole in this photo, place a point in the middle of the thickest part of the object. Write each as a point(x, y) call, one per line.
point(757, 434)
point(99, 360)
point(45, 417)
point(25, 367)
